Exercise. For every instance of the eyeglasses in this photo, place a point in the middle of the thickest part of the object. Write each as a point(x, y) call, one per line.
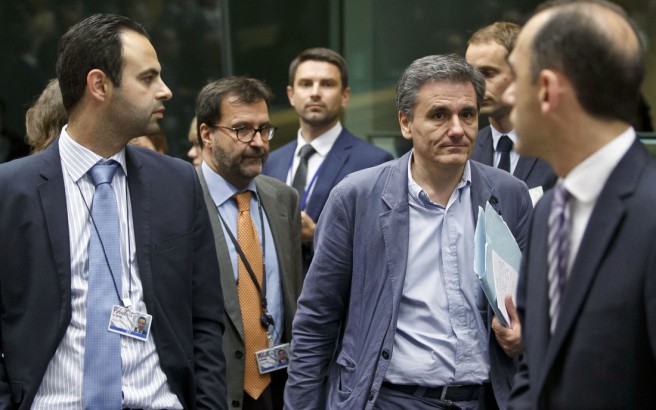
point(246, 133)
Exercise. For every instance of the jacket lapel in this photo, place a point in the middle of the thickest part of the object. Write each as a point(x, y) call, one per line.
point(230, 292)
point(328, 174)
point(52, 194)
point(395, 197)
point(524, 167)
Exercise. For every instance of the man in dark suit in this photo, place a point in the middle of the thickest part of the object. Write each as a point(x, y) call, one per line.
point(318, 90)
point(391, 315)
point(488, 50)
point(164, 259)
point(587, 290)
point(234, 130)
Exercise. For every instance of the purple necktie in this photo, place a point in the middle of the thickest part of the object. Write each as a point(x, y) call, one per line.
point(558, 250)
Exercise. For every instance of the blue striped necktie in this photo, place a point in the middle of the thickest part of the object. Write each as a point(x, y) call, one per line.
point(102, 349)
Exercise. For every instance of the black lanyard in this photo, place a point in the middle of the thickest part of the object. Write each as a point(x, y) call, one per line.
point(266, 319)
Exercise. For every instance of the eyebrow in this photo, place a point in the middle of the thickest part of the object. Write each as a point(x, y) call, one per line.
point(149, 71)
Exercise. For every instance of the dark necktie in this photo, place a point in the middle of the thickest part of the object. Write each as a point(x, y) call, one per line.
point(504, 146)
point(249, 298)
point(300, 178)
point(558, 241)
point(102, 349)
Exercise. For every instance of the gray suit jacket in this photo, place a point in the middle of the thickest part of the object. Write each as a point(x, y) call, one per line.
point(346, 319)
point(280, 203)
point(602, 354)
point(535, 172)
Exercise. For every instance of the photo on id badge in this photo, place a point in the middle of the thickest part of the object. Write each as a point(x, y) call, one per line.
point(274, 358)
point(128, 322)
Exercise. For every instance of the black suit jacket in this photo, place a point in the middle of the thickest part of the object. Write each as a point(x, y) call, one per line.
point(177, 266)
point(602, 354)
point(535, 172)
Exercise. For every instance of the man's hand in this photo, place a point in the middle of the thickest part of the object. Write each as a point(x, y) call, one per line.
point(307, 228)
point(510, 339)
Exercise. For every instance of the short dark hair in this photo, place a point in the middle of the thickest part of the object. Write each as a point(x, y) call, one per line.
point(93, 43)
point(208, 104)
point(449, 68)
point(606, 74)
point(320, 54)
point(501, 32)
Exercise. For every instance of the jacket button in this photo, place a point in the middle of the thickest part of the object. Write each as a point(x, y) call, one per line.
point(386, 354)
point(235, 403)
point(371, 396)
point(239, 354)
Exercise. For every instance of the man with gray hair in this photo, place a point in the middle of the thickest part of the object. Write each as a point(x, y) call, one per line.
point(384, 322)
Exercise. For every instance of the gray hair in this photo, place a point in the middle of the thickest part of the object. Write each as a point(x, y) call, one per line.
point(448, 68)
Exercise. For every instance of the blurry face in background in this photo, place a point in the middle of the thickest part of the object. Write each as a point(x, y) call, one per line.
point(194, 152)
point(490, 58)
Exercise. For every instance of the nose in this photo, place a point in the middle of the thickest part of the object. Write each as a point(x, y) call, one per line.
point(456, 129)
point(193, 152)
point(508, 96)
point(316, 89)
point(165, 92)
point(258, 139)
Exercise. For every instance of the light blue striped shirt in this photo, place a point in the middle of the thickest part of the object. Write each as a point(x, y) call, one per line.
point(144, 384)
point(221, 192)
point(441, 338)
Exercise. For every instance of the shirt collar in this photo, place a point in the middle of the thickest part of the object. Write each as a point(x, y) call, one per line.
point(78, 160)
point(496, 136)
point(220, 189)
point(419, 195)
point(588, 178)
point(323, 143)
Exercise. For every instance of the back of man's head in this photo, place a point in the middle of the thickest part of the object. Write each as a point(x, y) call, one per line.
point(93, 43)
point(597, 47)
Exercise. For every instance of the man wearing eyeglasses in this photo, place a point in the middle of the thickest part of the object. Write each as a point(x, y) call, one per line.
point(262, 282)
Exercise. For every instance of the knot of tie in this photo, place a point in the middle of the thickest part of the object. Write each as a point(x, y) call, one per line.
point(505, 144)
point(103, 172)
point(243, 201)
point(306, 151)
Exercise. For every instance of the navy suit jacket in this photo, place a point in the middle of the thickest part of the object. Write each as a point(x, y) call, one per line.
point(348, 154)
point(602, 354)
point(351, 296)
point(177, 265)
point(535, 172)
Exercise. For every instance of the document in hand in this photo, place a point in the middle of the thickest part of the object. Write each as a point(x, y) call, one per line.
point(496, 260)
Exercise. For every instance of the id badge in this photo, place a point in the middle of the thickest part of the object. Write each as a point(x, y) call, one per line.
point(273, 358)
point(130, 323)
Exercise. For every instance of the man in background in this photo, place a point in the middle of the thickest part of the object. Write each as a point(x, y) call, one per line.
point(261, 281)
point(488, 51)
point(324, 152)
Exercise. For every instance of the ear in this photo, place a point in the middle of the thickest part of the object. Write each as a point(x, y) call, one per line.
point(99, 85)
point(404, 123)
point(290, 95)
point(346, 93)
point(206, 136)
point(549, 90)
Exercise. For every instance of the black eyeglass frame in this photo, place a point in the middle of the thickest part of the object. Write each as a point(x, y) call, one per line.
point(265, 136)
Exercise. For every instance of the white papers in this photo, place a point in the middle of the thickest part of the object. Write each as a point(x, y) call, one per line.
point(496, 260)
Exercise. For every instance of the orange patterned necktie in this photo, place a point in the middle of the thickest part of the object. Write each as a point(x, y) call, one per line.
point(249, 298)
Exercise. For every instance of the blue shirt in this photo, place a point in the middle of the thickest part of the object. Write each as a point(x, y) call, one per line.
point(222, 192)
point(441, 338)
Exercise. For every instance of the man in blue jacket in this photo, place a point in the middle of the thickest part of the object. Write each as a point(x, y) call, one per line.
point(392, 314)
point(324, 152)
